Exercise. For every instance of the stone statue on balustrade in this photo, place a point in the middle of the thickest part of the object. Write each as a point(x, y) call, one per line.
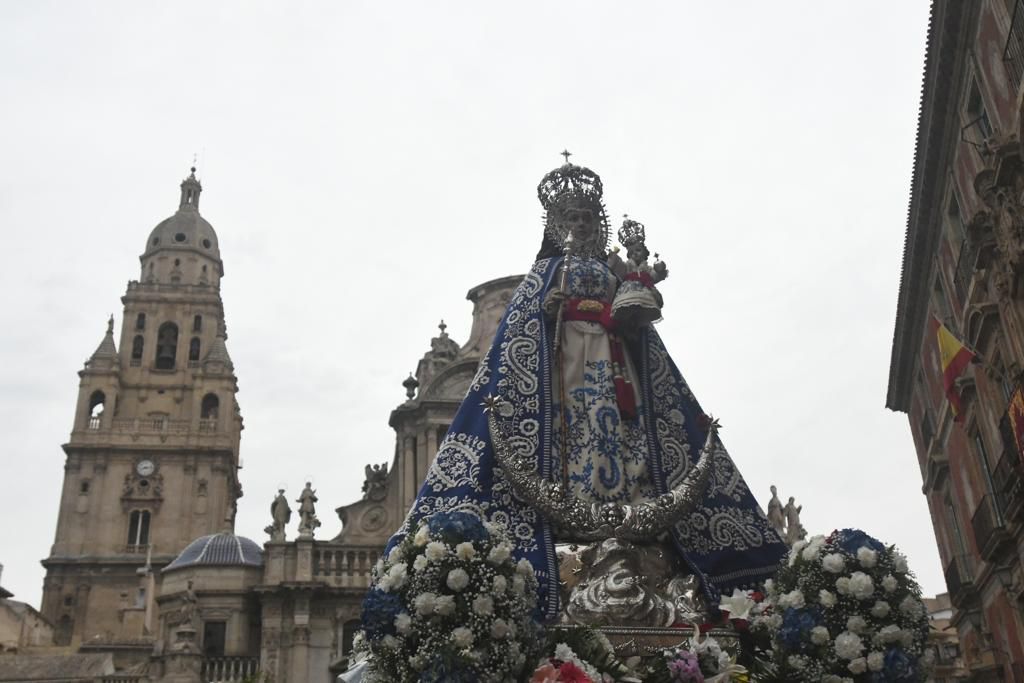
point(281, 514)
point(308, 522)
point(578, 431)
point(375, 485)
point(794, 529)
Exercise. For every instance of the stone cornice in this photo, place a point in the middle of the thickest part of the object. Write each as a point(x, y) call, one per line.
point(950, 29)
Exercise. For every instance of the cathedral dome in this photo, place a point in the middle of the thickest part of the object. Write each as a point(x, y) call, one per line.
point(186, 229)
point(222, 550)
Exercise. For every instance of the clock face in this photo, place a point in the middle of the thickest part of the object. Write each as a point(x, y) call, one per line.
point(145, 468)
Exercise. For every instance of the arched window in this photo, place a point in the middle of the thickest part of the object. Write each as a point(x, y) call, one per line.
point(140, 320)
point(348, 633)
point(62, 634)
point(138, 529)
point(137, 345)
point(210, 407)
point(193, 349)
point(166, 346)
point(96, 402)
point(197, 322)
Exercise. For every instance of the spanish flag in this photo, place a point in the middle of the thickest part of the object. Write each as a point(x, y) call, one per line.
point(1015, 412)
point(954, 358)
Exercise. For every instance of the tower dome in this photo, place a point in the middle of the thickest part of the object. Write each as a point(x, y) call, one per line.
point(186, 230)
point(223, 550)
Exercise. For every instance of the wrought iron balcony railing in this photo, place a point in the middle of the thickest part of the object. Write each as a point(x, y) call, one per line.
point(965, 266)
point(990, 532)
point(960, 582)
point(1013, 53)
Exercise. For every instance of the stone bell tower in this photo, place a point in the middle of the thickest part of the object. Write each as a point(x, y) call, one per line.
point(152, 461)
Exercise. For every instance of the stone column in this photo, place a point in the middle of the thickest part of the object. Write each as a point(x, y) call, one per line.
point(300, 638)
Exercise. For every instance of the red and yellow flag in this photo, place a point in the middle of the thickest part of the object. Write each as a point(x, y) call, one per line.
point(1016, 414)
point(954, 358)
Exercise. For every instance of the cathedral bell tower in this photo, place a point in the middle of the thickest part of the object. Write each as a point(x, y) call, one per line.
point(152, 461)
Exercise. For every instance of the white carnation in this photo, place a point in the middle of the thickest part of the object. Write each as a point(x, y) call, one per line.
point(436, 551)
point(457, 579)
point(524, 567)
point(395, 555)
point(819, 635)
point(843, 585)
point(797, 662)
point(462, 636)
point(499, 629)
point(890, 634)
point(384, 583)
point(445, 605)
point(769, 587)
point(465, 551)
point(889, 583)
point(499, 553)
point(483, 605)
point(794, 553)
point(810, 553)
point(867, 557)
point(876, 661)
point(518, 585)
point(390, 642)
point(848, 645)
point(794, 599)
point(826, 598)
point(834, 563)
point(398, 574)
point(880, 610)
point(856, 624)
point(861, 585)
point(420, 563)
point(500, 584)
point(402, 622)
point(564, 653)
point(858, 665)
point(899, 563)
point(422, 536)
point(424, 603)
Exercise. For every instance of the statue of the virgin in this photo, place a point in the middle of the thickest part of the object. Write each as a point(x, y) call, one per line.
point(595, 405)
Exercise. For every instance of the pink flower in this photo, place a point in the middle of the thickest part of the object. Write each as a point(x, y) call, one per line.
point(545, 673)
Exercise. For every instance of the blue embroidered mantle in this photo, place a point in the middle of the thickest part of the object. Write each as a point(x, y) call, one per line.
point(726, 541)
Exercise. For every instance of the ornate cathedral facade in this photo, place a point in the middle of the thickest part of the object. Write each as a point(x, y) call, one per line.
point(146, 567)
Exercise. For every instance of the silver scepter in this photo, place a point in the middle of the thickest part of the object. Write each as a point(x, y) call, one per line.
point(567, 250)
point(563, 441)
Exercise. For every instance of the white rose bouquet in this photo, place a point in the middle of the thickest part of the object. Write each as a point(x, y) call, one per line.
point(845, 608)
point(450, 603)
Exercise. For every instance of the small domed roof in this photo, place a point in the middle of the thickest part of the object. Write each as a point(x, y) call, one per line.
point(223, 549)
point(186, 229)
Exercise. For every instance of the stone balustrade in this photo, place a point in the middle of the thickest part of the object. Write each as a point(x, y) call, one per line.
point(344, 566)
point(229, 669)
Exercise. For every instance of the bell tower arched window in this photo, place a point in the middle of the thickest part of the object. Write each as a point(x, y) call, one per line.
point(137, 345)
point(166, 346)
point(96, 402)
point(140, 320)
point(210, 407)
point(197, 322)
point(193, 349)
point(138, 528)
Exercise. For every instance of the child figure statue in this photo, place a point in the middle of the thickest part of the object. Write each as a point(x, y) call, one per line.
point(637, 302)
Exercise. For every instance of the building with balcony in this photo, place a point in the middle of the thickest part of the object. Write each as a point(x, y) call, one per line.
point(963, 267)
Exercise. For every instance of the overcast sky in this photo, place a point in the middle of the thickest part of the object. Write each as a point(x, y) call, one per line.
point(365, 164)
